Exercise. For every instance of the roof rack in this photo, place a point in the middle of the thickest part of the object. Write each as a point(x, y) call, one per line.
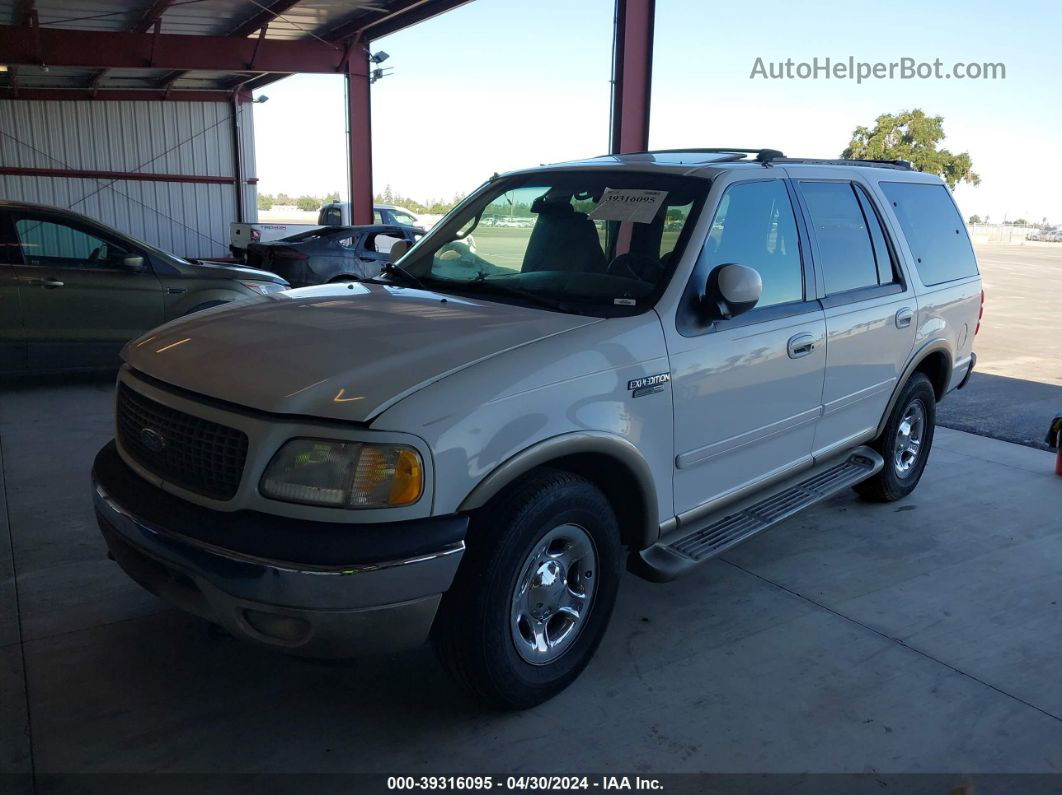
point(762, 155)
point(768, 156)
point(902, 165)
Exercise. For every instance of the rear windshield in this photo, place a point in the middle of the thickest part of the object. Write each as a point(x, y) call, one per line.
point(934, 231)
point(602, 242)
point(323, 232)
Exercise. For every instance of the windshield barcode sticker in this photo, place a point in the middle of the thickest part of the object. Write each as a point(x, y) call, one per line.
point(628, 204)
point(625, 302)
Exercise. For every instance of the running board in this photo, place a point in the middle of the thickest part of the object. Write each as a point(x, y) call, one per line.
point(684, 548)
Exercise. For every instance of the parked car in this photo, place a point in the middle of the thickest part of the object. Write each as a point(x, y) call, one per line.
point(336, 213)
point(329, 253)
point(73, 291)
point(472, 446)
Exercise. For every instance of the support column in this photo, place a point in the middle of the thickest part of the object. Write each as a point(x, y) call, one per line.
point(632, 72)
point(359, 125)
point(237, 158)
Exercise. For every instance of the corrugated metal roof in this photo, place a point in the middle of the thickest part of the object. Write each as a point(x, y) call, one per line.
point(301, 19)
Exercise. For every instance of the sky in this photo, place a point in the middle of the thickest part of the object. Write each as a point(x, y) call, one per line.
point(502, 84)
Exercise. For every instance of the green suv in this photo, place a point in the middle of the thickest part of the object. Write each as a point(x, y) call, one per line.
point(73, 291)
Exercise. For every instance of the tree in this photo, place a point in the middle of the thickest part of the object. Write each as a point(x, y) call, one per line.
point(914, 136)
point(308, 203)
point(265, 201)
point(1019, 222)
point(975, 219)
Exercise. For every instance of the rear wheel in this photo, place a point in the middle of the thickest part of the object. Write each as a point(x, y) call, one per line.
point(534, 593)
point(905, 443)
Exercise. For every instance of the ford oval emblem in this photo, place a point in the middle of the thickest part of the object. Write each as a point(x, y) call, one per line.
point(152, 440)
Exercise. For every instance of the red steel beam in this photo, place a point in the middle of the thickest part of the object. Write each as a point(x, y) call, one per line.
point(135, 176)
point(138, 94)
point(632, 75)
point(122, 50)
point(258, 22)
point(359, 122)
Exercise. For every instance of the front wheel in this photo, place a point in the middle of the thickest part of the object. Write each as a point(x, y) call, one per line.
point(534, 593)
point(905, 443)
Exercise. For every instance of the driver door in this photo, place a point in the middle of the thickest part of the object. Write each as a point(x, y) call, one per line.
point(747, 390)
point(80, 303)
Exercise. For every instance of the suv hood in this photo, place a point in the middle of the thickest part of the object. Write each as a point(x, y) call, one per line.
point(345, 352)
point(205, 269)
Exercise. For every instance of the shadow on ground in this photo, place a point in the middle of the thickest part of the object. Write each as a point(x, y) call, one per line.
point(1004, 408)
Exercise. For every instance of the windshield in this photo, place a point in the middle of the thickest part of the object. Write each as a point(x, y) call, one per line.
point(597, 242)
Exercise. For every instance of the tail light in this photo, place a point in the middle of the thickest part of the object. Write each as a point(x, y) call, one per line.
point(288, 253)
point(980, 313)
point(255, 235)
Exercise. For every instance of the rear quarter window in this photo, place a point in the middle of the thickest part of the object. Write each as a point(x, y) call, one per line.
point(934, 231)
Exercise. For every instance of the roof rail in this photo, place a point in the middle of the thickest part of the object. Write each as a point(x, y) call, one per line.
point(768, 156)
point(902, 165)
point(762, 155)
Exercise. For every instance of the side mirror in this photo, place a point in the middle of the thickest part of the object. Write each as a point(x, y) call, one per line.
point(398, 250)
point(731, 290)
point(133, 263)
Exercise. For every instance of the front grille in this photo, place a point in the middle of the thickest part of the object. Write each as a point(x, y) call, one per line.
point(190, 452)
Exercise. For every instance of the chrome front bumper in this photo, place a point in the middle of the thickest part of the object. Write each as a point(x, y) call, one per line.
point(312, 609)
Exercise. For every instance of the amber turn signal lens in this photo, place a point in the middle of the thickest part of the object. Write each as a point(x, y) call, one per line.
point(408, 479)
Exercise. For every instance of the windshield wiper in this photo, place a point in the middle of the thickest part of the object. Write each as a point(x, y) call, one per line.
point(506, 289)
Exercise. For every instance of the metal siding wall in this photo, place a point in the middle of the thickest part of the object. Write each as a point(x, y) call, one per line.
point(192, 138)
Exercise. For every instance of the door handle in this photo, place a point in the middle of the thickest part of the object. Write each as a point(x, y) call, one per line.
point(801, 345)
point(904, 317)
point(50, 284)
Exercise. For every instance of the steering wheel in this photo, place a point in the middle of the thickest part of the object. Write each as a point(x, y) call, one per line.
point(95, 255)
point(637, 266)
point(457, 251)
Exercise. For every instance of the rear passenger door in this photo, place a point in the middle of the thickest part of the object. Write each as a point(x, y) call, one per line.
point(869, 309)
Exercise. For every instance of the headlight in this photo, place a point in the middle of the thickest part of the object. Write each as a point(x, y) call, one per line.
point(344, 474)
point(265, 288)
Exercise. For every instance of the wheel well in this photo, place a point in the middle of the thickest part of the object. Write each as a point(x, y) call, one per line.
point(937, 368)
point(619, 485)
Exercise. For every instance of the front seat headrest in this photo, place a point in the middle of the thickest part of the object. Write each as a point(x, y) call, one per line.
point(552, 205)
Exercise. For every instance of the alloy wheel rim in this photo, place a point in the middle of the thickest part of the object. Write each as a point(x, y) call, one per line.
point(554, 593)
point(910, 434)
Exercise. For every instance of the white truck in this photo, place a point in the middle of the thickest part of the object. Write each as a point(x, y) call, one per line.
point(679, 351)
point(336, 213)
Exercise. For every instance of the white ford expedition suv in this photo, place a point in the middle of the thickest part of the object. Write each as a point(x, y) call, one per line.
point(646, 359)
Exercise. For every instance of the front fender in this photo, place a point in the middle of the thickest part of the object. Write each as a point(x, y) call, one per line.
point(617, 448)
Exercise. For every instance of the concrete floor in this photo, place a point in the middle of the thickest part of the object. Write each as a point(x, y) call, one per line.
point(913, 637)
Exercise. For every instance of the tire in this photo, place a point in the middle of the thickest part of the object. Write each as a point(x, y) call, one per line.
point(488, 611)
point(917, 404)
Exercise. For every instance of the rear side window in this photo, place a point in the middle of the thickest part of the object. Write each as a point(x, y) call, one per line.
point(934, 231)
point(844, 251)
